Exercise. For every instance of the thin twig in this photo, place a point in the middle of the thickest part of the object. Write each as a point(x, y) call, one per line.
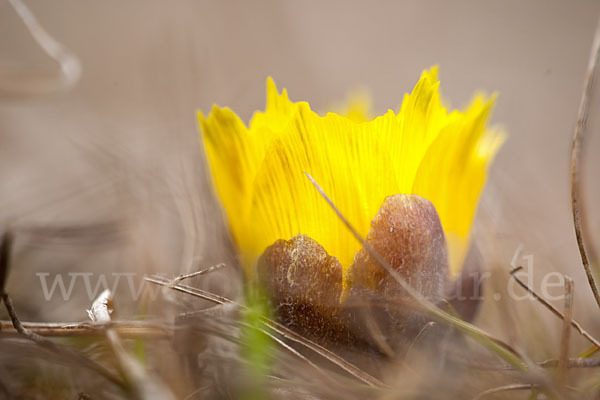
point(5, 253)
point(563, 358)
point(498, 347)
point(19, 327)
point(125, 329)
point(552, 309)
point(203, 294)
point(576, 161)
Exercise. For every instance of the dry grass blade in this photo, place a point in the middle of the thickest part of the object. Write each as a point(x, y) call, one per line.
point(377, 335)
point(563, 359)
point(506, 388)
point(208, 270)
point(496, 346)
point(577, 362)
point(279, 329)
point(214, 298)
point(323, 352)
point(294, 353)
point(573, 363)
point(422, 333)
point(553, 309)
point(576, 161)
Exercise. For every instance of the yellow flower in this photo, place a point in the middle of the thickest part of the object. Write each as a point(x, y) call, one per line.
point(258, 171)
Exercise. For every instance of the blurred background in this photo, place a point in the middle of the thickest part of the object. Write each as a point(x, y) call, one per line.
point(122, 146)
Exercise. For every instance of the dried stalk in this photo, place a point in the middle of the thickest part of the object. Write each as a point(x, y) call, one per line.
point(576, 161)
point(563, 358)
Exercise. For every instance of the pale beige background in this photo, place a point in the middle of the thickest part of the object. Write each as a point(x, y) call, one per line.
point(123, 144)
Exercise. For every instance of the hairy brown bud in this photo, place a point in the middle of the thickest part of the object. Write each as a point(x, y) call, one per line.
point(408, 234)
point(304, 284)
